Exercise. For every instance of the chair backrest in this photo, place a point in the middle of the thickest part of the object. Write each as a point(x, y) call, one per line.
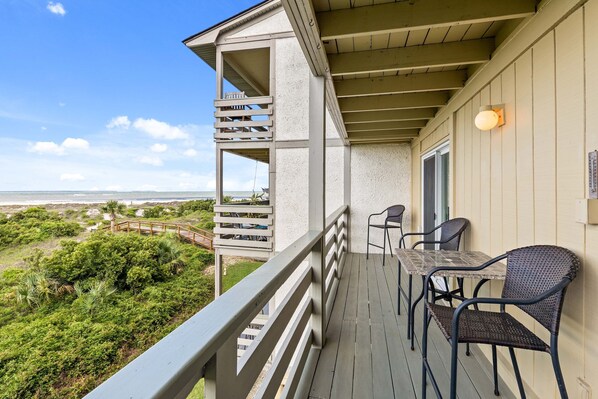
point(452, 230)
point(395, 213)
point(534, 270)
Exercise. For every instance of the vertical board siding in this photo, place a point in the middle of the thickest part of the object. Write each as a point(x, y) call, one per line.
point(570, 179)
point(591, 260)
point(518, 184)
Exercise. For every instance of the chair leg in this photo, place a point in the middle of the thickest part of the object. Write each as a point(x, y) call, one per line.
point(495, 370)
point(389, 243)
point(399, 290)
point(556, 364)
point(454, 358)
point(367, 251)
point(517, 373)
point(384, 246)
point(424, 353)
point(409, 312)
point(412, 324)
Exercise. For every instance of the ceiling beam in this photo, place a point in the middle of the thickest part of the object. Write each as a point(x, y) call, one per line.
point(423, 14)
point(398, 125)
point(412, 83)
point(394, 101)
point(383, 135)
point(388, 116)
point(425, 56)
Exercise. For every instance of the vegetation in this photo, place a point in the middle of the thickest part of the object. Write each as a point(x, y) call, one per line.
point(77, 316)
point(34, 225)
point(238, 272)
point(113, 208)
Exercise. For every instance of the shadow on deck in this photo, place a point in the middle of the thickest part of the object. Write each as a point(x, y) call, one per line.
point(367, 354)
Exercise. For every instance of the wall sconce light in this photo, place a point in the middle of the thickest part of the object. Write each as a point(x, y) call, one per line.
point(490, 116)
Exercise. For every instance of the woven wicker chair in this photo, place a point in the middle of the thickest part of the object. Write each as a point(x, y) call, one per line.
point(451, 232)
point(536, 281)
point(393, 220)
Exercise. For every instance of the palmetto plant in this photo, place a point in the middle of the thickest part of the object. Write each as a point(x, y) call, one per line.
point(95, 295)
point(36, 288)
point(113, 208)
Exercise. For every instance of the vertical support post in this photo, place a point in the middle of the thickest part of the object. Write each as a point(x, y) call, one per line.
point(317, 173)
point(221, 372)
point(347, 193)
point(218, 273)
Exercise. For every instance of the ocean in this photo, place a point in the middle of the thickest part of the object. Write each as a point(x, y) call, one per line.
point(91, 197)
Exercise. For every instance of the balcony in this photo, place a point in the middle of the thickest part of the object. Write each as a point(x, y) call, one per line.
point(336, 334)
point(241, 118)
point(244, 226)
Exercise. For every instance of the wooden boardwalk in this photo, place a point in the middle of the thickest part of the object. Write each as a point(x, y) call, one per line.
point(367, 354)
point(185, 232)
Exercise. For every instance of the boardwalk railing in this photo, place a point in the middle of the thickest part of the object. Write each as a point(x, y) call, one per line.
point(244, 118)
point(186, 232)
point(205, 346)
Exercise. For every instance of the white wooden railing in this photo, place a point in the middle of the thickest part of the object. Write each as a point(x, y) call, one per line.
point(244, 118)
point(244, 226)
point(206, 344)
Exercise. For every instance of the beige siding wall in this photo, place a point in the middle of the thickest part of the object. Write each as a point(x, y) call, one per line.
point(517, 184)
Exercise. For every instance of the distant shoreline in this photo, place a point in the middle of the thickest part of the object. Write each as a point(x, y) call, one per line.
point(90, 198)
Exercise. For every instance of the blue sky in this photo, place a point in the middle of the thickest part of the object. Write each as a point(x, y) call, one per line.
point(102, 95)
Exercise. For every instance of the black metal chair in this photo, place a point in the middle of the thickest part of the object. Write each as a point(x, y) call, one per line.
point(450, 240)
point(394, 214)
point(536, 282)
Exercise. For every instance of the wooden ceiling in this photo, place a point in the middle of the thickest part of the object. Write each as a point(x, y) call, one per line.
point(394, 63)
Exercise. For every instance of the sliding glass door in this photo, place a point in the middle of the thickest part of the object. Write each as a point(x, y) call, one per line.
point(435, 190)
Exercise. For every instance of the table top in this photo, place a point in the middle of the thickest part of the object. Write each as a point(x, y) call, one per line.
point(420, 262)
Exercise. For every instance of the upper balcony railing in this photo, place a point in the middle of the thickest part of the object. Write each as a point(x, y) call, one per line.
point(244, 226)
point(205, 346)
point(244, 118)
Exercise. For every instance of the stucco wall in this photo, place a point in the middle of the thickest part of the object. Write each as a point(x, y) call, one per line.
point(380, 177)
point(292, 91)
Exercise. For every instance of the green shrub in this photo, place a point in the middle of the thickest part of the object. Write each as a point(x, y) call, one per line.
point(34, 224)
point(189, 207)
point(77, 316)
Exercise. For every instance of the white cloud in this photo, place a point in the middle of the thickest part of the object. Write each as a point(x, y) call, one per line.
point(44, 128)
point(160, 130)
point(71, 177)
point(50, 147)
point(154, 161)
point(56, 8)
point(190, 152)
point(46, 147)
point(61, 104)
point(119, 122)
point(114, 187)
point(75, 144)
point(159, 147)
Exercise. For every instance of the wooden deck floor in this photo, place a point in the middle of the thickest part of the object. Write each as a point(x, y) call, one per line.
point(367, 354)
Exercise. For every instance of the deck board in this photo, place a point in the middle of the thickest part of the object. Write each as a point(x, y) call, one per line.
point(367, 354)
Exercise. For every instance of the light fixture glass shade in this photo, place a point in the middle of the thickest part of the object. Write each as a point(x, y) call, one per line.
point(486, 119)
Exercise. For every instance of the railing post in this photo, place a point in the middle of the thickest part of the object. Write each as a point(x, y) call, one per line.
point(217, 273)
point(221, 371)
point(317, 173)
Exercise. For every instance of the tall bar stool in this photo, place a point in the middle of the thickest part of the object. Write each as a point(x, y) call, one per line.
point(393, 220)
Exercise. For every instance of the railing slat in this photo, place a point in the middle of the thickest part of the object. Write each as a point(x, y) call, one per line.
point(273, 378)
point(242, 243)
point(224, 103)
point(267, 209)
point(254, 359)
point(267, 221)
point(298, 365)
point(244, 232)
